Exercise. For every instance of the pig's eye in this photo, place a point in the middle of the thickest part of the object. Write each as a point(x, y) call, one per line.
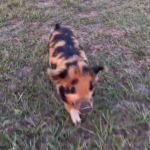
point(91, 86)
point(70, 90)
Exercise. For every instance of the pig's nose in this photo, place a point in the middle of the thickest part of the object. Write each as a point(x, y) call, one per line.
point(85, 107)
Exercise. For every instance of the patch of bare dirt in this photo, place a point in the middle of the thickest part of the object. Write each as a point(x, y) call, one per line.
point(142, 89)
point(137, 131)
point(45, 3)
point(13, 86)
point(38, 29)
point(138, 134)
point(136, 67)
point(116, 33)
point(88, 14)
point(12, 25)
point(24, 72)
point(52, 3)
point(98, 46)
point(10, 31)
point(142, 104)
point(132, 68)
point(99, 30)
point(106, 4)
point(145, 61)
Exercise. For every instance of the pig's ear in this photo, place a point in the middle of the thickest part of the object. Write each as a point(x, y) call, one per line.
point(96, 69)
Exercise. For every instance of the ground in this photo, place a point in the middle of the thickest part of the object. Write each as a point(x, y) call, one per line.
point(113, 32)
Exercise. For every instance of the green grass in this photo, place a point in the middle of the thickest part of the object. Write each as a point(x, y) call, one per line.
point(115, 33)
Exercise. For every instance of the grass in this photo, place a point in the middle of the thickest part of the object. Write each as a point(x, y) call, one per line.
point(115, 33)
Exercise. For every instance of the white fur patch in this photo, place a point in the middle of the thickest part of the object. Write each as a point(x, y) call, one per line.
point(75, 117)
